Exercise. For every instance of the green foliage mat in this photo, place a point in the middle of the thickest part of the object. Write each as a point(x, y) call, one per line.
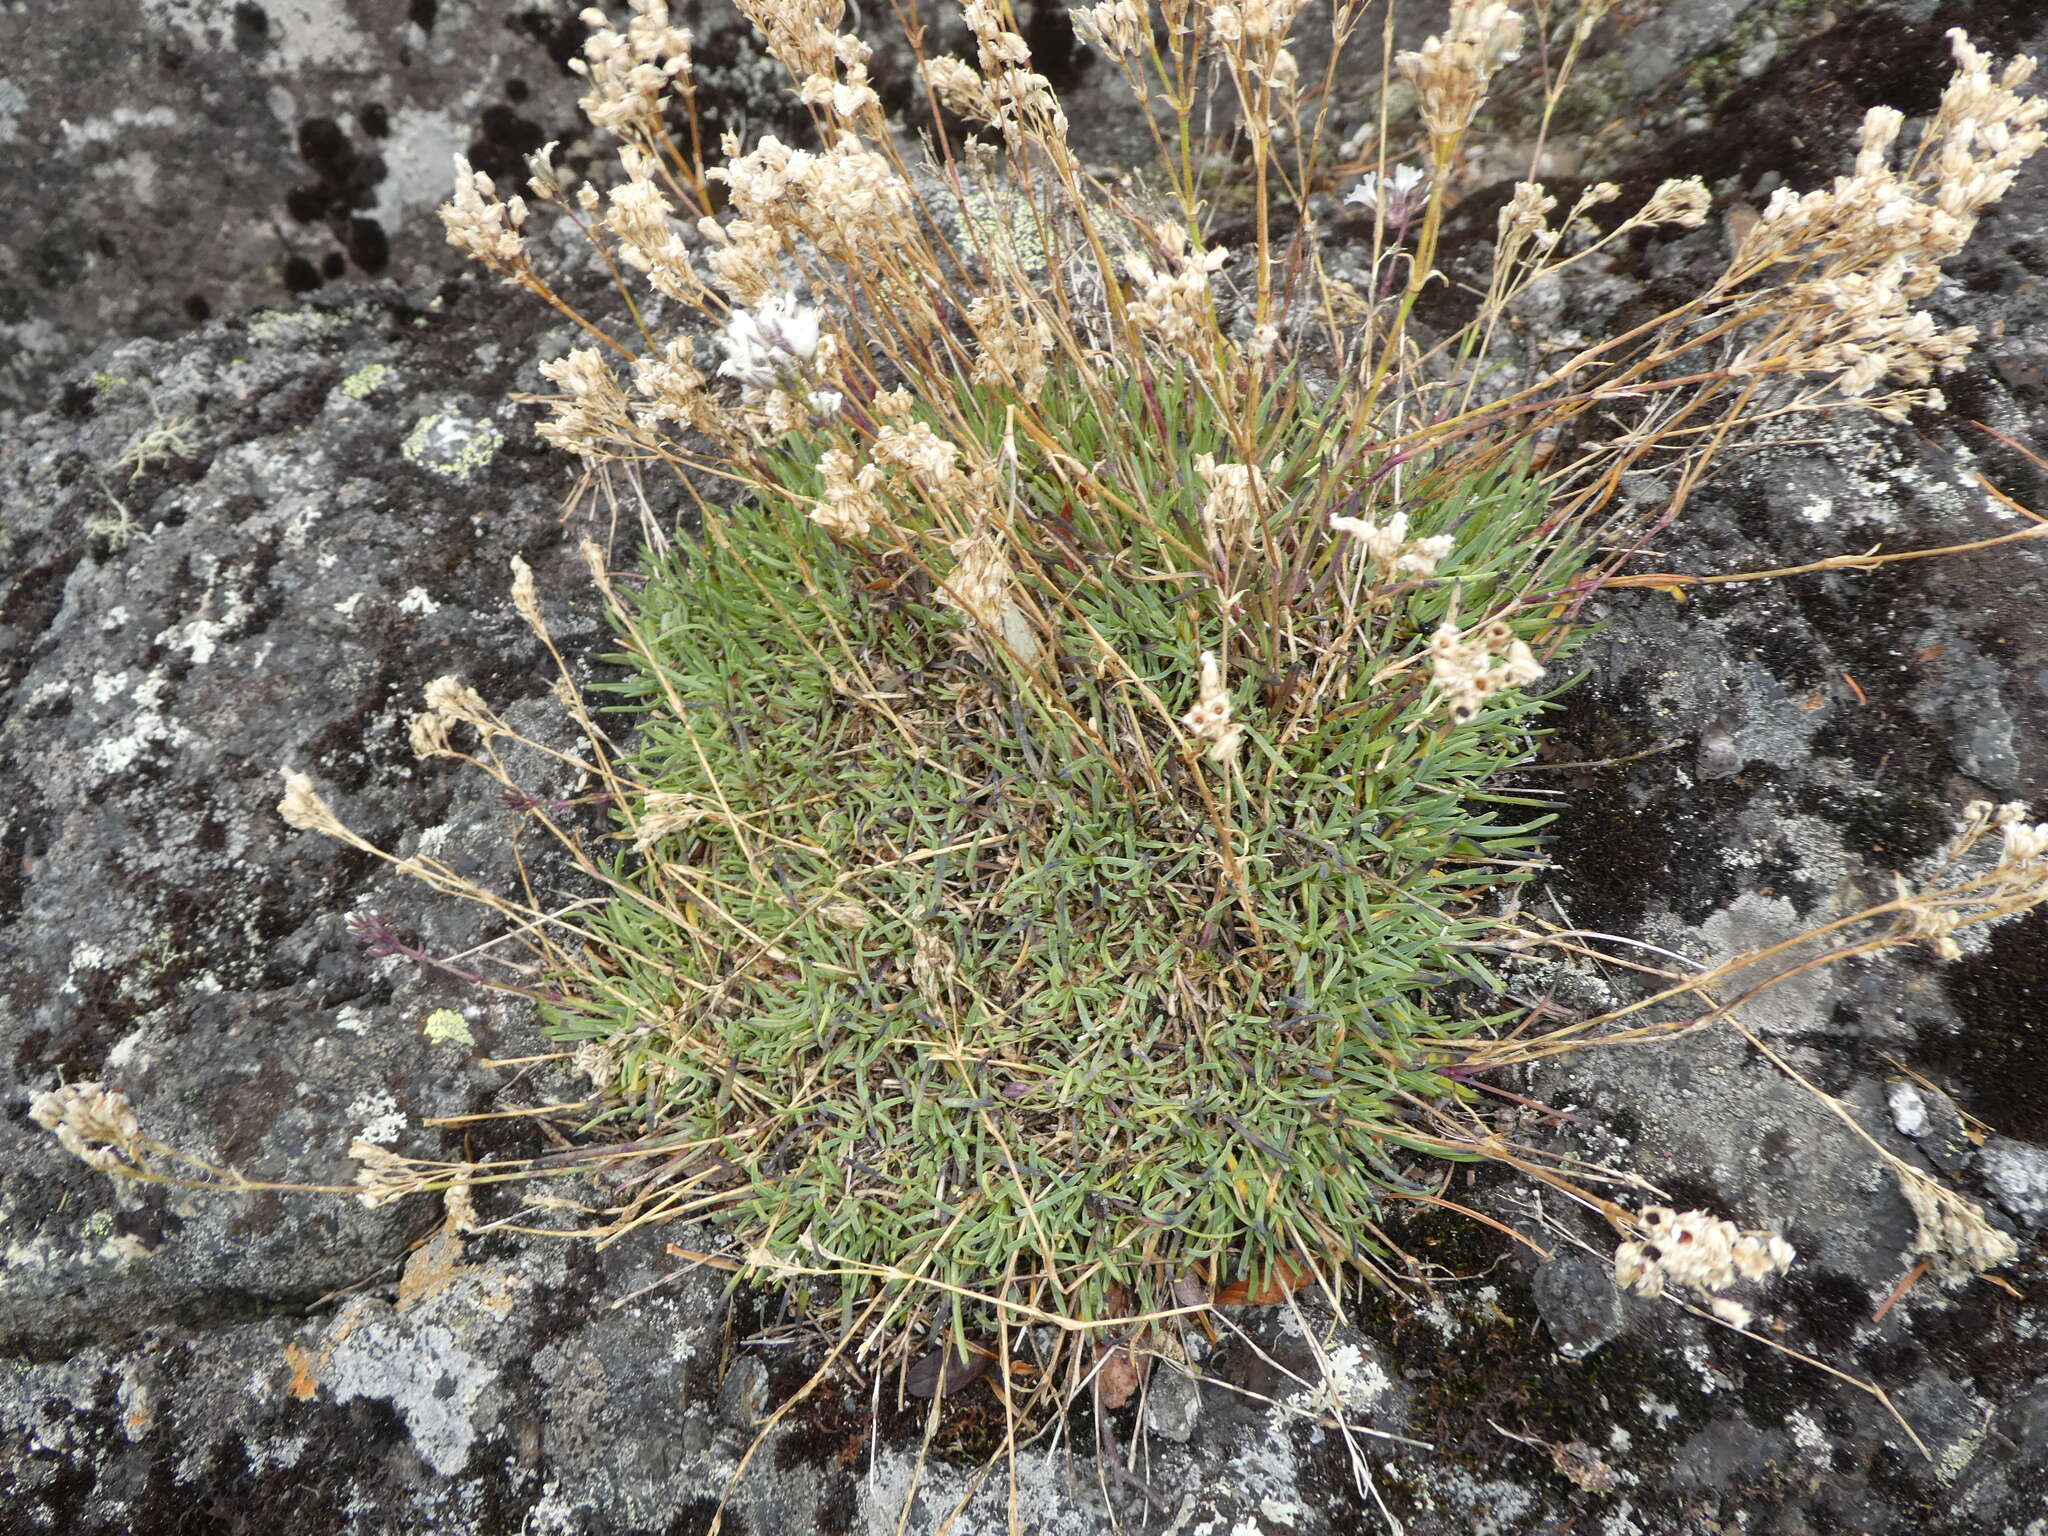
point(954, 971)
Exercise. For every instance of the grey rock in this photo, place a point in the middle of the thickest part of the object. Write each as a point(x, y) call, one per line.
point(1173, 1402)
point(1909, 1110)
point(2016, 1173)
point(1579, 1304)
point(744, 1393)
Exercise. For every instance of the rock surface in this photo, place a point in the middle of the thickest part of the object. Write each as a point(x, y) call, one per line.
point(250, 548)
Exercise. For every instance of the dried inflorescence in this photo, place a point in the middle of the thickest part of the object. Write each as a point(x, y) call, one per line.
point(1954, 898)
point(1952, 1231)
point(1210, 719)
point(593, 417)
point(1176, 306)
point(481, 225)
point(1701, 1253)
point(1237, 493)
point(1871, 246)
point(846, 200)
point(1119, 28)
point(850, 504)
point(643, 222)
point(631, 74)
point(1451, 71)
point(982, 585)
point(1014, 344)
point(93, 1123)
point(1021, 102)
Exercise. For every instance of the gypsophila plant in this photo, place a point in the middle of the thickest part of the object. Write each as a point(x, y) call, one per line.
point(1057, 837)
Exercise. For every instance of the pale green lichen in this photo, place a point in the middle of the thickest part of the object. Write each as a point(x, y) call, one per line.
point(273, 326)
point(362, 383)
point(454, 447)
point(445, 1025)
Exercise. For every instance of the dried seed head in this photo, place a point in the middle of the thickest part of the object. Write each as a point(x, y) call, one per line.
point(631, 73)
point(959, 88)
point(1175, 306)
point(1953, 1231)
point(983, 586)
point(524, 599)
point(91, 1122)
point(1230, 510)
point(1700, 1252)
point(1013, 345)
point(1678, 202)
point(303, 808)
point(850, 504)
point(1471, 667)
point(1118, 27)
point(592, 417)
point(481, 226)
point(1209, 720)
point(1451, 71)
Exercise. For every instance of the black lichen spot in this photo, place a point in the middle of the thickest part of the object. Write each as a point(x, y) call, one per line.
point(332, 265)
point(1055, 52)
point(344, 184)
point(300, 275)
point(1828, 1305)
point(198, 309)
point(560, 31)
point(2002, 998)
point(252, 28)
point(504, 142)
point(423, 13)
point(375, 120)
point(77, 401)
point(368, 246)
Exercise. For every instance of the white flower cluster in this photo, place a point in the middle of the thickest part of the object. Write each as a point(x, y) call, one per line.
point(1702, 1253)
point(1388, 546)
point(766, 346)
point(93, 1123)
point(1471, 667)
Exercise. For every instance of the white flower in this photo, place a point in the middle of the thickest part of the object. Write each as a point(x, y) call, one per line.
point(761, 345)
point(1401, 189)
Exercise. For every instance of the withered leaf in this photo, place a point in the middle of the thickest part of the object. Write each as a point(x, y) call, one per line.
point(942, 1372)
point(1117, 1381)
point(1285, 1279)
